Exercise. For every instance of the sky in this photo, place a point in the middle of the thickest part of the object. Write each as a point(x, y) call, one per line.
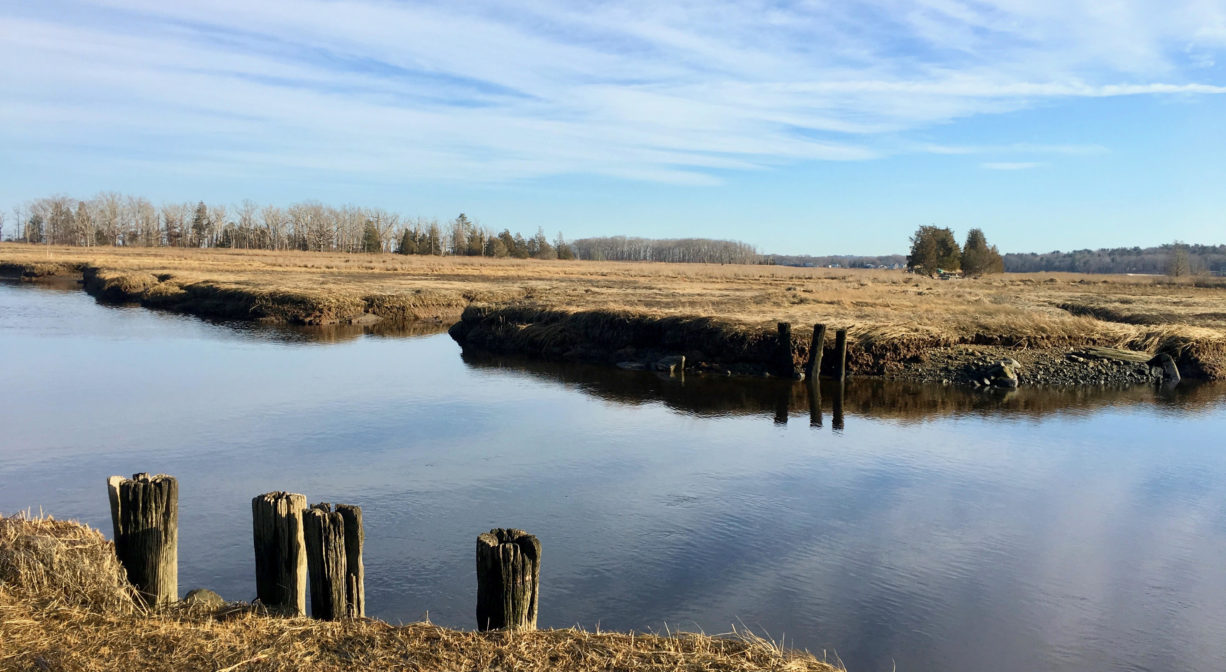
point(811, 127)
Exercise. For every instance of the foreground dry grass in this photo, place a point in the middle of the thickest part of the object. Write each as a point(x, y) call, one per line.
point(64, 605)
point(1031, 310)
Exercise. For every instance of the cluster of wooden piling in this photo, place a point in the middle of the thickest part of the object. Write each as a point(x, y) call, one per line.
point(812, 367)
point(294, 542)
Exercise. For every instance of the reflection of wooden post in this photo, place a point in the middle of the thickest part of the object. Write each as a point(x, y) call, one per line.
point(508, 580)
point(815, 402)
point(324, 532)
point(783, 398)
point(837, 424)
point(840, 354)
point(813, 367)
point(355, 572)
point(145, 520)
point(280, 552)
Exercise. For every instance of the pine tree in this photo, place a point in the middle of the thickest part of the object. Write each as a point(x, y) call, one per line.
point(934, 250)
point(978, 257)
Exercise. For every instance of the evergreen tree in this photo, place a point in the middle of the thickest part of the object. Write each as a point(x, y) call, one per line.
point(407, 244)
point(933, 250)
point(978, 257)
point(371, 242)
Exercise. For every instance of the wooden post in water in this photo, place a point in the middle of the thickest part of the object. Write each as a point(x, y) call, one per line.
point(145, 520)
point(784, 364)
point(280, 552)
point(355, 571)
point(324, 530)
point(840, 354)
point(813, 367)
point(508, 580)
point(814, 387)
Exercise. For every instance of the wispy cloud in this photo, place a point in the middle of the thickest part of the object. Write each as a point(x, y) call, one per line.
point(1011, 165)
point(671, 92)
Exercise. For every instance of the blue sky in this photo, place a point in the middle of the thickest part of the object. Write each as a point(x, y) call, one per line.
point(813, 127)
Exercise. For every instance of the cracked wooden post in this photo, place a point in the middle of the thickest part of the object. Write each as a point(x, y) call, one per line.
point(813, 366)
point(280, 552)
point(840, 354)
point(355, 570)
point(145, 521)
point(508, 580)
point(324, 531)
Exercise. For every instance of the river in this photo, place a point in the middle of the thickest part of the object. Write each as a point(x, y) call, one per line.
point(928, 528)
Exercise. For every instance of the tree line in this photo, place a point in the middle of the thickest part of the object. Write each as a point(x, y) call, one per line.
point(1173, 259)
point(119, 220)
point(132, 221)
point(679, 250)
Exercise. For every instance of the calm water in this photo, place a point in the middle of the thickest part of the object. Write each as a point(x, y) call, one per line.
point(936, 529)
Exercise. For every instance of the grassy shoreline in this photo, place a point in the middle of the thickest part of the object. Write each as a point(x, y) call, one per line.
point(64, 605)
point(563, 309)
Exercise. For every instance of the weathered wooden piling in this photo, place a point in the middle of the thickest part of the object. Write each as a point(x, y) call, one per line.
point(280, 552)
point(145, 521)
point(840, 354)
point(508, 580)
point(785, 364)
point(324, 531)
point(813, 365)
point(355, 570)
point(814, 388)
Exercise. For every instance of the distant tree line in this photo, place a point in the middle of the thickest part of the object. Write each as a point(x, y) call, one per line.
point(837, 260)
point(133, 221)
point(119, 220)
point(680, 250)
point(1172, 259)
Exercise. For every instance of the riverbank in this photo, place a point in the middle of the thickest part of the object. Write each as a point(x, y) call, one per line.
point(64, 605)
point(721, 318)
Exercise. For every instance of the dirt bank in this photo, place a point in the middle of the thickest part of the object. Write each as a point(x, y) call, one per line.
point(711, 346)
point(65, 606)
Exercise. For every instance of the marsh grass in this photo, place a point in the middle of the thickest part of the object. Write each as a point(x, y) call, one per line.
point(65, 606)
point(878, 307)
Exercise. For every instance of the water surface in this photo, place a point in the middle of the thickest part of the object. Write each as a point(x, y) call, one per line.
point(932, 529)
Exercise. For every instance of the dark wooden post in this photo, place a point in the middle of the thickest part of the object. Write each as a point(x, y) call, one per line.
point(355, 571)
point(145, 520)
point(324, 531)
point(813, 367)
point(840, 354)
point(785, 365)
point(280, 552)
point(508, 580)
point(837, 424)
point(814, 388)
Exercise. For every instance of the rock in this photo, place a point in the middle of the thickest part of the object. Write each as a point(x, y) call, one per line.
point(1166, 364)
point(1003, 374)
point(631, 366)
point(671, 365)
point(203, 597)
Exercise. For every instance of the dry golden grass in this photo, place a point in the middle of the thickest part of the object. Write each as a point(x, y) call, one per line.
point(877, 306)
point(64, 606)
